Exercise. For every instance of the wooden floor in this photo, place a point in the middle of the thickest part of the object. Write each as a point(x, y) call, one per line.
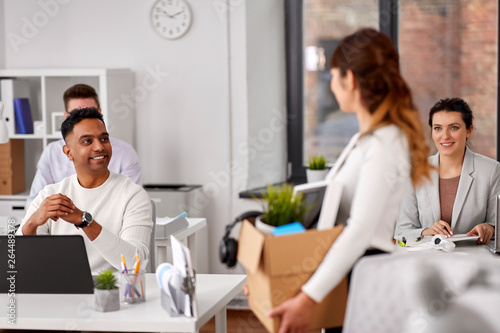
point(238, 321)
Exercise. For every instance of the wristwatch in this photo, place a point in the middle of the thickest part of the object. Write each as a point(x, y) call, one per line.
point(86, 220)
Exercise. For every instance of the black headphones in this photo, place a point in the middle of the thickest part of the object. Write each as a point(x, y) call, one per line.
point(228, 248)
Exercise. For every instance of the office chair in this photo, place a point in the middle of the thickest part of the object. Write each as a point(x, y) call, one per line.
point(394, 293)
point(152, 247)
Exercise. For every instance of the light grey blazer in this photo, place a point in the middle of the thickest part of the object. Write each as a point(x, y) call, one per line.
point(474, 202)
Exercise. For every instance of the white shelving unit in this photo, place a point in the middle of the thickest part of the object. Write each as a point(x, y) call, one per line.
point(46, 90)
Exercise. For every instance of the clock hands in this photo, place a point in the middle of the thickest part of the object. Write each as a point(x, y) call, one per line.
point(182, 11)
point(170, 16)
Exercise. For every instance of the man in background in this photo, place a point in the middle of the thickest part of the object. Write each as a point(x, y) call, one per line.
point(54, 166)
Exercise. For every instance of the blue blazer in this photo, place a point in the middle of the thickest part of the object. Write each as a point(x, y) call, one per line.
point(475, 201)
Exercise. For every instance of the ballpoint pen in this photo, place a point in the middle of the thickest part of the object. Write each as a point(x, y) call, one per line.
point(137, 268)
point(137, 264)
point(124, 264)
point(128, 290)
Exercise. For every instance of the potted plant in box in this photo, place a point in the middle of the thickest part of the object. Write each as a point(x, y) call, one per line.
point(106, 293)
point(280, 206)
point(317, 169)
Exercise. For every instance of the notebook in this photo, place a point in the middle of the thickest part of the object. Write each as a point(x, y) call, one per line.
point(494, 244)
point(45, 265)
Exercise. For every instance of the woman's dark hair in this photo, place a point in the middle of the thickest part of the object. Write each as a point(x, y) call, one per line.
point(454, 104)
point(374, 62)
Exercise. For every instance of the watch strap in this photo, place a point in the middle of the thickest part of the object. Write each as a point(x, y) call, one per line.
point(86, 220)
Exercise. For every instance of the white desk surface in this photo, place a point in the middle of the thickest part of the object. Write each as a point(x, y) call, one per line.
point(76, 312)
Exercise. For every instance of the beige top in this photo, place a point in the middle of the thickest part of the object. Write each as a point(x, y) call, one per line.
point(447, 193)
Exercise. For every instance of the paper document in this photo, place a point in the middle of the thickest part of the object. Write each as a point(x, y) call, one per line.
point(427, 239)
point(168, 226)
point(167, 220)
point(181, 257)
point(462, 237)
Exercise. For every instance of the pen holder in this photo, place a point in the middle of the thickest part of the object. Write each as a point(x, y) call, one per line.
point(133, 287)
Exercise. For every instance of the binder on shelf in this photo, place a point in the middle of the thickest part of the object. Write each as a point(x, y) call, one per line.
point(24, 121)
point(10, 89)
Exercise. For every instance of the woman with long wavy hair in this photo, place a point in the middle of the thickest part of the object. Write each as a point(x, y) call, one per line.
point(373, 169)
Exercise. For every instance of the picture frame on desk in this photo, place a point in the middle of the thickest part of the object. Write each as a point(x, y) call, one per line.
point(57, 120)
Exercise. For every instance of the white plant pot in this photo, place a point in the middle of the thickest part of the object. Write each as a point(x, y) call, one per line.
point(107, 300)
point(263, 227)
point(315, 175)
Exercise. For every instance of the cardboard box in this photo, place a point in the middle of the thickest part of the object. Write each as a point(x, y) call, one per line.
point(277, 267)
point(12, 167)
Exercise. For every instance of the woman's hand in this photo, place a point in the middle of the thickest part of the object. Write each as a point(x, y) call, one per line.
point(438, 228)
point(245, 289)
point(484, 231)
point(295, 313)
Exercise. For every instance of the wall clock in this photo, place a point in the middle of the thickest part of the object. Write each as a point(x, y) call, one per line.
point(171, 18)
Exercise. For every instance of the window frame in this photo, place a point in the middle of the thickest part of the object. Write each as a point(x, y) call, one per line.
point(388, 24)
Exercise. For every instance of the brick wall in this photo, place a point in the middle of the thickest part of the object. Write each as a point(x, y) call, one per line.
point(448, 48)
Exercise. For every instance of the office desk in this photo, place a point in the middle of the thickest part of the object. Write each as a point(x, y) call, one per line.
point(76, 312)
point(189, 234)
point(462, 248)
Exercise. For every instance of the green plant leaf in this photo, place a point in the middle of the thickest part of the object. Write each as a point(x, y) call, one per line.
point(106, 280)
point(317, 162)
point(280, 206)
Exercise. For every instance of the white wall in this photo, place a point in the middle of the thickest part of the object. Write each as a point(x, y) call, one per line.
point(219, 84)
point(2, 35)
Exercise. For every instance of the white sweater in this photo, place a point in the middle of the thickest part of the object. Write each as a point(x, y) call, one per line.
point(373, 171)
point(120, 206)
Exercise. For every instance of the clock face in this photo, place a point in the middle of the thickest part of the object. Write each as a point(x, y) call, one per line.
point(171, 18)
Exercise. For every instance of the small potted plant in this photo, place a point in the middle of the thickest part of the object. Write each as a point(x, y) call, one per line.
point(317, 169)
point(280, 207)
point(106, 293)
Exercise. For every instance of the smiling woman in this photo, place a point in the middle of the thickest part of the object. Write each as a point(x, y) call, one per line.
point(463, 179)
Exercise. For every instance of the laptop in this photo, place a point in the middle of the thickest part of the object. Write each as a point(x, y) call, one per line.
point(45, 265)
point(494, 244)
point(313, 194)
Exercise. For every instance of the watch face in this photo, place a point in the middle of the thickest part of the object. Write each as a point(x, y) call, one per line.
point(171, 18)
point(87, 218)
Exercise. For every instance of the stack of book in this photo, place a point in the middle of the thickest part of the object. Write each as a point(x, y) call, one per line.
point(12, 167)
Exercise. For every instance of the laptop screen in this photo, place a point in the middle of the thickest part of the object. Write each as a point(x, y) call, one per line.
point(45, 265)
point(313, 195)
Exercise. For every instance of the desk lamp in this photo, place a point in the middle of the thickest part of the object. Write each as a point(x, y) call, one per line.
point(4, 133)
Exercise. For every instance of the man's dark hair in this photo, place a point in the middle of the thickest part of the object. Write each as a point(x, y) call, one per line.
point(80, 91)
point(76, 116)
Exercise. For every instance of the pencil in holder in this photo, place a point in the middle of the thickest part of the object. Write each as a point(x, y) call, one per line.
point(133, 287)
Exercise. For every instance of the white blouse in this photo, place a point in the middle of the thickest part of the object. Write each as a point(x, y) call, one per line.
point(372, 170)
